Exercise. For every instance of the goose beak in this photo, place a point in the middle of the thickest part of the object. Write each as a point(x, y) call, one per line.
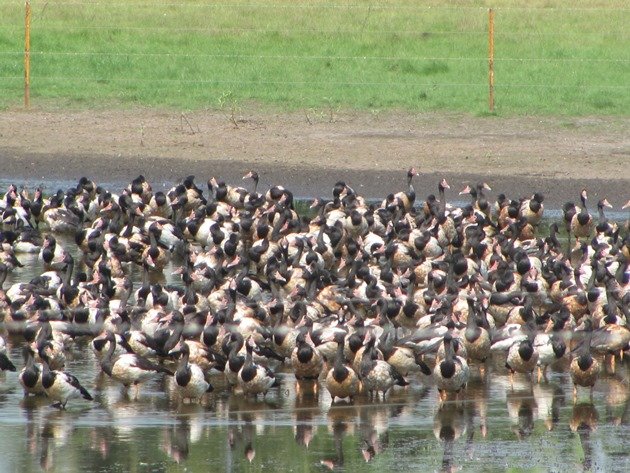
point(177, 349)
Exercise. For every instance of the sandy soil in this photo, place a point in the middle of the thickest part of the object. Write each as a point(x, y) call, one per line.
point(309, 153)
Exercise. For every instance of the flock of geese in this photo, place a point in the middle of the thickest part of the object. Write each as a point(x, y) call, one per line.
point(359, 298)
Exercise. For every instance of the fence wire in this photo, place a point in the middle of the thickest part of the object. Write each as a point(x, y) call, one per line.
point(331, 6)
point(129, 37)
point(310, 58)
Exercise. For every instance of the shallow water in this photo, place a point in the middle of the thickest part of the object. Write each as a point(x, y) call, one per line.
point(493, 428)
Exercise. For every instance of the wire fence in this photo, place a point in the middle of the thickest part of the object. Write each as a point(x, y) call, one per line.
point(414, 55)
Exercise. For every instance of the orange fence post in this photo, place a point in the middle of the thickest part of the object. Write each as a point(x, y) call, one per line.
point(491, 58)
point(27, 55)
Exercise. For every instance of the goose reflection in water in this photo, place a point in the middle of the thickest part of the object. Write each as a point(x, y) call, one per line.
point(176, 440)
point(305, 405)
point(550, 398)
point(243, 437)
point(374, 433)
point(521, 406)
point(584, 419)
point(452, 421)
point(187, 430)
point(477, 393)
point(342, 421)
point(101, 439)
point(56, 431)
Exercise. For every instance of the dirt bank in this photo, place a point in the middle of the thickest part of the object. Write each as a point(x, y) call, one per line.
point(309, 153)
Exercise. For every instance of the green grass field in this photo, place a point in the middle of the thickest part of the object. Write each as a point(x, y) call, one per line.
point(409, 54)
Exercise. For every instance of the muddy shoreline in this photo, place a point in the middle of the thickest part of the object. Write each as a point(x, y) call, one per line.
point(516, 156)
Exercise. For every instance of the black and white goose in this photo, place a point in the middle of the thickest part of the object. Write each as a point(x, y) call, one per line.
point(377, 375)
point(189, 377)
point(30, 376)
point(584, 369)
point(255, 379)
point(342, 381)
point(551, 347)
point(61, 386)
point(129, 368)
point(582, 221)
point(476, 338)
point(306, 359)
point(452, 373)
point(53, 255)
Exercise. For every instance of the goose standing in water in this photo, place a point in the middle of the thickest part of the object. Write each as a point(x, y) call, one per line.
point(550, 347)
point(252, 378)
point(582, 221)
point(253, 199)
point(61, 386)
point(452, 373)
point(377, 375)
point(476, 338)
point(160, 205)
point(51, 345)
point(155, 256)
point(611, 339)
point(405, 200)
point(7, 254)
point(30, 376)
point(306, 359)
point(60, 219)
point(522, 357)
point(234, 344)
point(479, 201)
point(603, 225)
point(128, 368)
point(53, 255)
point(189, 378)
point(342, 381)
point(584, 369)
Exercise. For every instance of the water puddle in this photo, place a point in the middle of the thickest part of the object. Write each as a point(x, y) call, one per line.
point(495, 428)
